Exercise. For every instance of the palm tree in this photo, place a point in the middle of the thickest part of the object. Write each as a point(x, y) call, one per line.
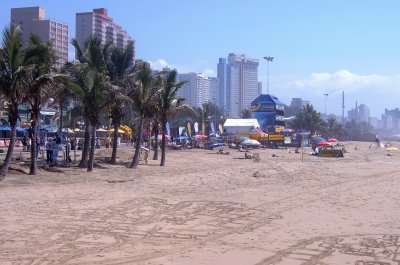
point(246, 114)
point(91, 87)
point(335, 129)
point(16, 65)
point(308, 119)
point(119, 65)
point(168, 104)
point(42, 82)
point(143, 95)
point(91, 84)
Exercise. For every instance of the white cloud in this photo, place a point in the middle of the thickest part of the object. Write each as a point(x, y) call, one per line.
point(344, 80)
point(376, 91)
point(161, 63)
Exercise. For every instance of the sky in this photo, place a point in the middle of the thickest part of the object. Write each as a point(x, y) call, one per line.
point(319, 47)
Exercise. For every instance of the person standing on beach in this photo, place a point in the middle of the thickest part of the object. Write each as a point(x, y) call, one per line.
point(49, 150)
point(68, 151)
point(56, 150)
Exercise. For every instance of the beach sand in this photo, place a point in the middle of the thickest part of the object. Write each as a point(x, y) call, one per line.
point(206, 208)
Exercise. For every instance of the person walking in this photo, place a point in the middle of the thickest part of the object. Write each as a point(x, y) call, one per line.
point(57, 147)
point(68, 151)
point(49, 150)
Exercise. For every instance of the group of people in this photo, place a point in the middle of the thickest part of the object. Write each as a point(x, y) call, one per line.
point(53, 148)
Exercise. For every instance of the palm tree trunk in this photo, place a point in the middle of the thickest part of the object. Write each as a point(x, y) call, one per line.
point(33, 165)
point(136, 156)
point(7, 161)
point(92, 147)
point(114, 144)
point(86, 144)
point(164, 131)
point(156, 133)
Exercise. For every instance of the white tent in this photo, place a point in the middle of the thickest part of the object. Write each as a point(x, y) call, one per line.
point(240, 125)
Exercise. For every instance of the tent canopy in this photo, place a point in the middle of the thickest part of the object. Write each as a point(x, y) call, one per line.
point(240, 125)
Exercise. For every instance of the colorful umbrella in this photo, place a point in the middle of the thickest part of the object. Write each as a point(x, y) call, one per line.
point(200, 137)
point(317, 139)
point(251, 142)
point(331, 140)
point(323, 143)
point(244, 138)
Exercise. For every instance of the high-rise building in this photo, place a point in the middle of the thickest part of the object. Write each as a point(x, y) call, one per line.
point(359, 113)
point(242, 83)
point(32, 20)
point(196, 90)
point(222, 75)
point(214, 91)
point(259, 88)
point(299, 103)
point(100, 25)
point(363, 113)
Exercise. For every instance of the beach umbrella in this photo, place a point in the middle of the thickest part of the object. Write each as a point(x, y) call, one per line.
point(317, 139)
point(183, 137)
point(200, 137)
point(323, 143)
point(251, 142)
point(216, 135)
point(243, 138)
point(331, 140)
point(288, 130)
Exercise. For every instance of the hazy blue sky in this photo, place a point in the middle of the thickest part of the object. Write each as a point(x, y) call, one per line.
point(319, 46)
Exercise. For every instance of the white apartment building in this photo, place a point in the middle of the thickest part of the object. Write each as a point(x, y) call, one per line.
point(196, 90)
point(242, 83)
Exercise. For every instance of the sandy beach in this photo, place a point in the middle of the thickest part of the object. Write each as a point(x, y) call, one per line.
point(206, 208)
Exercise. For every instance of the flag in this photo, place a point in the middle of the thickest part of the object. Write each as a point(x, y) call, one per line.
point(189, 128)
point(168, 129)
point(221, 130)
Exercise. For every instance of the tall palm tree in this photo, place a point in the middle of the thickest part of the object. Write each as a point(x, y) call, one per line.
point(119, 65)
point(91, 87)
point(92, 83)
point(308, 119)
point(143, 94)
point(43, 80)
point(16, 65)
point(169, 103)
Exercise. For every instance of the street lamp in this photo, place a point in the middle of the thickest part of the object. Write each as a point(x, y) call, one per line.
point(326, 96)
point(269, 59)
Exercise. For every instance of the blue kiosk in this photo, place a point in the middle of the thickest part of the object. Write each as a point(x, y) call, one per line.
point(269, 112)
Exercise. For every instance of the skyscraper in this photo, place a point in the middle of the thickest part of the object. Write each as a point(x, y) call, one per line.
point(196, 90)
point(100, 25)
point(222, 89)
point(32, 21)
point(242, 83)
point(214, 90)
